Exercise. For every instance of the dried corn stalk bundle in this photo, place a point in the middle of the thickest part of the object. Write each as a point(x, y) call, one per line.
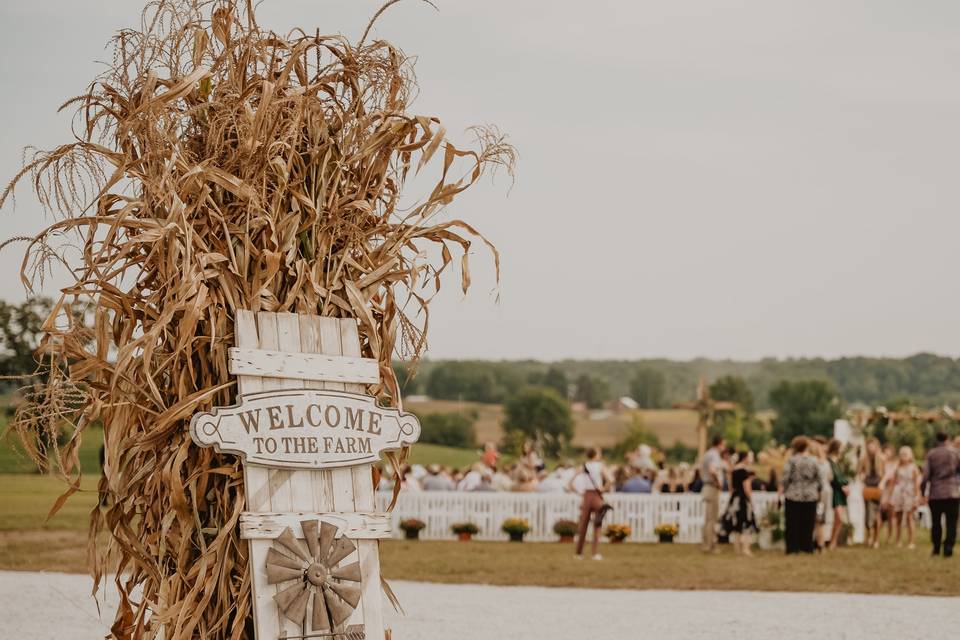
point(220, 166)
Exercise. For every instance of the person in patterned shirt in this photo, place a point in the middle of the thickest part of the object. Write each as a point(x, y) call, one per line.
point(802, 483)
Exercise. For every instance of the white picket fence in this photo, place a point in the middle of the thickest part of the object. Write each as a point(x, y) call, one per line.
point(440, 509)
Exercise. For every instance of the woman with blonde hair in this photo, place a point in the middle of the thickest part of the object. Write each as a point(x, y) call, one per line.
point(870, 472)
point(905, 494)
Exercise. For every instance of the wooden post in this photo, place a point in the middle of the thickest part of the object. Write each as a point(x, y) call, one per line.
point(706, 407)
point(307, 473)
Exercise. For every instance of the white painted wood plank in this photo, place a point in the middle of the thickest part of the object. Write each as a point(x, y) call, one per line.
point(277, 485)
point(368, 551)
point(360, 525)
point(291, 489)
point(341, 480)
point(350, 343)
point(310, 343)
point(330, 345)
point(302, 366)
point(256, 488)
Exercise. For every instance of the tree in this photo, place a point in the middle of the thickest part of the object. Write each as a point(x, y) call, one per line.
point(472, 380)
point(20, 331)
point(449, 429)
point(553, 378)
point(805, 407)
point(733, 389)
point(637, 434)
point(409, 384)
point(556, 379)
point(647, 387)
point(539, 413)
point(593, 392)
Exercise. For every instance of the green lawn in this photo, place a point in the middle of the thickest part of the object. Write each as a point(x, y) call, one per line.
point(13, 459)
point(425, 454)
point(674, 566)
point(26, 501)
point(29, 542)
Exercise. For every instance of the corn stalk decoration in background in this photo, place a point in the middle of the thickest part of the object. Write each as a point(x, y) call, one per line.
point(220, 166)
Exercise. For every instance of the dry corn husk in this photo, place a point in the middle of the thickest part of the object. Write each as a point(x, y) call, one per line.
point(219, 166)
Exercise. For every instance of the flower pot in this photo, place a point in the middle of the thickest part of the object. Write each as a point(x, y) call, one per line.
point(616, 540)
point(516, 536)
point(464, 536)
point(566, 539)
point(666, 537)
point(767, 541)
point(412, 534)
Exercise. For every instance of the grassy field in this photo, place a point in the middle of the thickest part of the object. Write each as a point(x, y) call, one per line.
point(13, 459)
point(29, 542)
point(628, 566)
point(669, 425)
point(684, 567)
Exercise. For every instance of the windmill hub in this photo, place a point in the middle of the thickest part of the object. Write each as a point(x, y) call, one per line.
point(317, 574)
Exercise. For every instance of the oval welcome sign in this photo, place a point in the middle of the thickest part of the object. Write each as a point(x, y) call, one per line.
point(305, 428)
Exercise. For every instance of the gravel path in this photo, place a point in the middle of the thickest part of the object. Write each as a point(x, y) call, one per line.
point(48, 606)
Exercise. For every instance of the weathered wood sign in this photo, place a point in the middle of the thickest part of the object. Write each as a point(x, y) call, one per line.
point(305, 429)
point(308, 436)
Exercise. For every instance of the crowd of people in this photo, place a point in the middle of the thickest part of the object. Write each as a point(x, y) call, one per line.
point(814, 483)
point(643, 471)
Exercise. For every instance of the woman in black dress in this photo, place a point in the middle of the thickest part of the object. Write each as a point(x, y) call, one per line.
point(739, 518)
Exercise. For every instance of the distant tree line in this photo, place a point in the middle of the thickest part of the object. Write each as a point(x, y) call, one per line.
point(806, 396)
point(924, 380)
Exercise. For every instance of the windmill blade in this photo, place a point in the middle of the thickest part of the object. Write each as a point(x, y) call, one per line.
point(297, 611)
point(287, 539)
point(354, 632)
point(723, 405)
point(321, 619)
point(350, 595)
point(281, 560)
point(349, 572)
point(286, 597)
point(339, 610)
point(327, 533)
point(310, 535)
point(277, 574)
point(341, 549)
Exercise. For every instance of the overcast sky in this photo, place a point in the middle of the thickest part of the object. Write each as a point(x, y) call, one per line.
point(720, 178)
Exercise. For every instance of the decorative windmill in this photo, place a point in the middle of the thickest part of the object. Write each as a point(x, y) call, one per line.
point(706, 407)
point(314, 571)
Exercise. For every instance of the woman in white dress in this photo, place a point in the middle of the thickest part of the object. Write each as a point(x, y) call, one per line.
point(905, 495)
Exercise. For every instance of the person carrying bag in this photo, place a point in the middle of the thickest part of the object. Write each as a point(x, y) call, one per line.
point(592, 507)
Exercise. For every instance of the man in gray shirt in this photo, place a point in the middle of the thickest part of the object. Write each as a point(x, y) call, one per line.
point(942, 490)
point(711, 470)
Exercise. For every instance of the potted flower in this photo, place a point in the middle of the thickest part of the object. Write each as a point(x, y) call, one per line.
point(771, 529)
point(412, 527)
point(465, 530)
point(666, 531)
point(516, 528)
point(617, 533)
point(566, 529)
